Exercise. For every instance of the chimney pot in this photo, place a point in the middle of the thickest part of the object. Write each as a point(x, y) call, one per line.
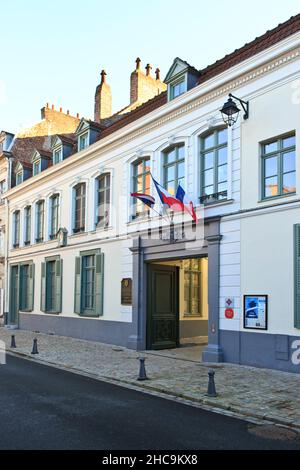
point(60, 110)
point(138, 63)
point(103, 76)
point(52, 107)
point(77, 115)
point(68, 112)
point(157, 74)
point(148, 69)
point(47, 105)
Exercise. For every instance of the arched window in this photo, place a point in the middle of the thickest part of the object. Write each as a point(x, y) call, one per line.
point(213, 166)
point(103, 200)
point(173, 168)
point(40, 221)
point(54, 210)
point(141, 184)
point(79, 208)
point(16, 227)
point(27, 231)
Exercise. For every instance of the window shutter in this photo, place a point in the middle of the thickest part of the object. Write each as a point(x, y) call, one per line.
point(43, 287)
point(58, 285)
point(31, 287)
point(297, 274)
point(21, 288)
point(99, 284)
point(77, 290)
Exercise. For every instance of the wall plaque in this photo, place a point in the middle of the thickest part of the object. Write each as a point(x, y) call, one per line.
point(126, 291)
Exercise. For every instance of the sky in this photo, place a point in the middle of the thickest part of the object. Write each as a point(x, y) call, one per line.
point(53, 51)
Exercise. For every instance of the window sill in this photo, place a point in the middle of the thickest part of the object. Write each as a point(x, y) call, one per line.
point(50, 312)
point(224, 202)
point(88, 315)
point(275, 198)
point(138, 220)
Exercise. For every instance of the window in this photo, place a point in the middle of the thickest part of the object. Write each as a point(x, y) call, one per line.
point(279, 167)
point(174, 168)
point(54, 210)
point(2, 186)
point(178, 88)
point(79, 208)
point(40, 215)
point(213, 166)
point(51, 285)
point(141, 184)
point(83, 141)
point(88, 283)
point(26, 287)
point(57, 156)
point(103, 201)
point(16, 226)
point(36, 167)
point(89, 276)
point(192, 287)
point(19, 177)
point(27, 231)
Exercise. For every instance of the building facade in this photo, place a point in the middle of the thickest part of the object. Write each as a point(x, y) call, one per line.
point(85, 259)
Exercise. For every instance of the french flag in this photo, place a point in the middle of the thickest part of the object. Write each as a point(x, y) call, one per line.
point(145, 198)
point(166, 198)
point(188, 205)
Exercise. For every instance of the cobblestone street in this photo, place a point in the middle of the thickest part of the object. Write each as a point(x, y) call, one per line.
point(251, 392)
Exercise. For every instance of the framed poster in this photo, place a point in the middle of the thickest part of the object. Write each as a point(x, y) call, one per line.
point(256, 312)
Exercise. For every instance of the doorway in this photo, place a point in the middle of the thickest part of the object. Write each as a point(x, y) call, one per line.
point(177, 306)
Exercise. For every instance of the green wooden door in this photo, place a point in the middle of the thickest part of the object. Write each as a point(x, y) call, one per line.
point(14, 296)
point(162, 307)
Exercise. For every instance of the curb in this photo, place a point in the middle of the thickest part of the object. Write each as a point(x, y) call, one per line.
point(203, 403)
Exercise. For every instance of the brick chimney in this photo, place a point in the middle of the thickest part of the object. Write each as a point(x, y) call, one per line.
point(143, 86)
point(103, 100)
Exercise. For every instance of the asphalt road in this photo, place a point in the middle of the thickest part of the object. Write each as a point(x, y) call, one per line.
point(46, 408)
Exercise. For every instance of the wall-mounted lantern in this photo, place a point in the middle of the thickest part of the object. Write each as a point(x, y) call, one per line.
point(230, 111)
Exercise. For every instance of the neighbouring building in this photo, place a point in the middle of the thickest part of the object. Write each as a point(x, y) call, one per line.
point(15, 165)
point(85, 259)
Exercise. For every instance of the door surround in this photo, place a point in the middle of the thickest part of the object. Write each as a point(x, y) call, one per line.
point(145, 250)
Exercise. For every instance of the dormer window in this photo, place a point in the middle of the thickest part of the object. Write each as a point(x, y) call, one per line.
point(57, 156)
point(36, 167)
point(62, 147)
point(181, 78)
point(19, 177)
point(87, 133)
point(178, 88)
point(83, 141)
point(40, 161)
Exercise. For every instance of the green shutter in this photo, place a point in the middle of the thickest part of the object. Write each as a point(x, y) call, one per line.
point(77, 290)
point(43, 287)
point(99, 284)
point(21, 288)
point(31, 288)
point(58, 285)
point(297, 274)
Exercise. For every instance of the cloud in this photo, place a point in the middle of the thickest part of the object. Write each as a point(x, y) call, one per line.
point(2, 92)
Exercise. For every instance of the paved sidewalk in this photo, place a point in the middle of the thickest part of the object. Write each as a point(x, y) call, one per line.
point(251, 392)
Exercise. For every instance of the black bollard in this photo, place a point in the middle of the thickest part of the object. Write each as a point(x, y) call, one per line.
point(211, 389)
point(34, 347)
point(142, 373)
point(13, 342)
